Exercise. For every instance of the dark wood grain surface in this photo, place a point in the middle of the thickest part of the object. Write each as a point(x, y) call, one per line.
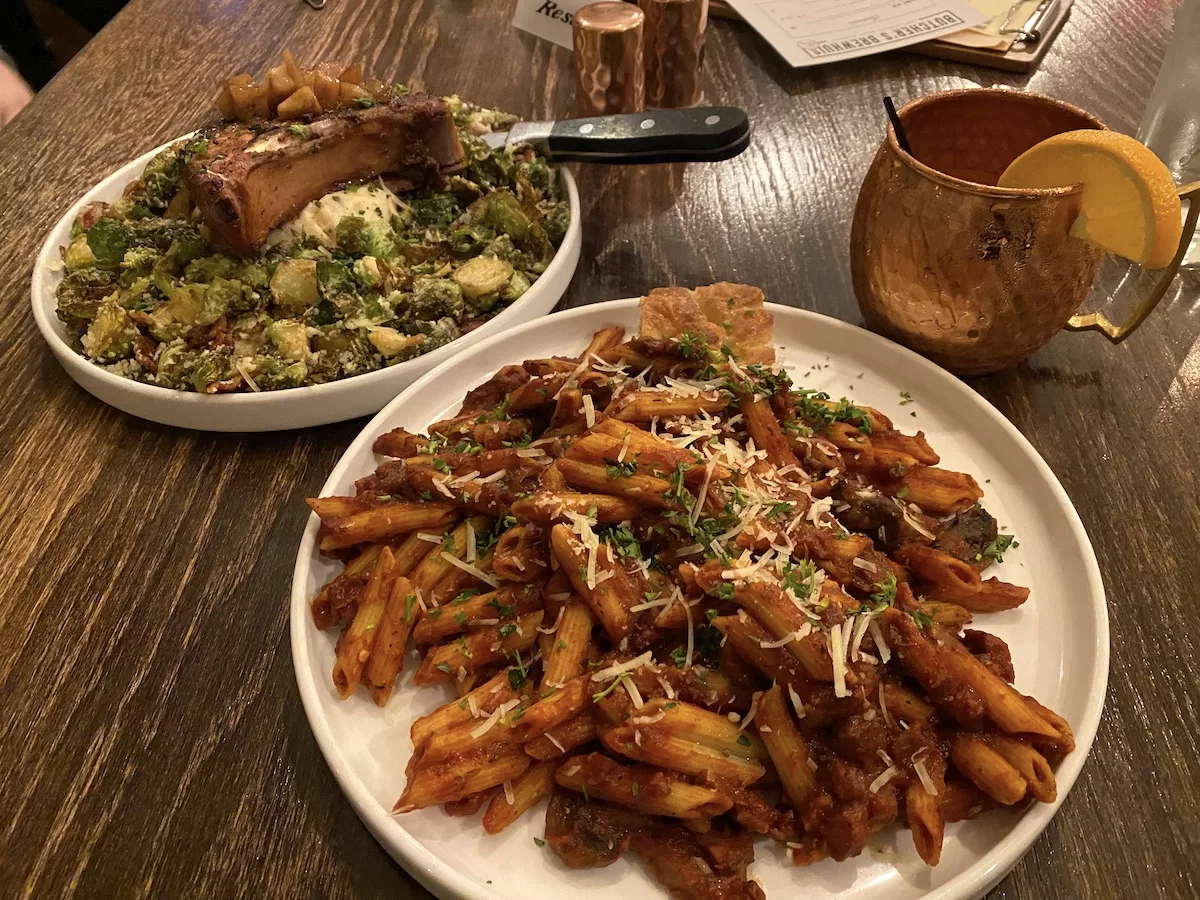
point(152, 742)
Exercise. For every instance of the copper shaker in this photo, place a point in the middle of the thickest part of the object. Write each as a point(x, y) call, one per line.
point(609, 74)
point(674, 50)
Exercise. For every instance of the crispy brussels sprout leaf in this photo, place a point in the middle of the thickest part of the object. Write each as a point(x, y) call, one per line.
point(294, 286)
point(482, 275)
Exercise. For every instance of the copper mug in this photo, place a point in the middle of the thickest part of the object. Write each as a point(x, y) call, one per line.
point(973, 276)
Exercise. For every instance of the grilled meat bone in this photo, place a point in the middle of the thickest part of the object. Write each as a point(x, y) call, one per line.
point(250, 180)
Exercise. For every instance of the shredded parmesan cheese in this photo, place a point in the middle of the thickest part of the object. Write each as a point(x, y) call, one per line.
point(887, 716)
point(698, 506)
point(470, 569)
point(471, 545)
point(797, 703)
point(923, 774)
point(491, 720)
point(753, 711)
point(589, 411)
point(240, 366)
point(426, 536)
point(552, 739)
point(634, 694)
point(837, 650)
point(648, 720)
point(618, 669)
point(884, 777)
point(553, 628)
point(691, 636)
point(885, 652)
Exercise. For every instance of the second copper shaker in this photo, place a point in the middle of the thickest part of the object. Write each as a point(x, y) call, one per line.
point(609, 74)
point(674, 48)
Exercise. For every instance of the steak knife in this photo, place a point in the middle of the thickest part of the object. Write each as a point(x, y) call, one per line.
point(698, 134)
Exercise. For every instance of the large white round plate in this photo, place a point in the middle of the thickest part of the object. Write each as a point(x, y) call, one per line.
point(1059, 639)
point(270, 410)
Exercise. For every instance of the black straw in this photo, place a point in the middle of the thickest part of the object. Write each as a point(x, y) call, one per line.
point(897, 125)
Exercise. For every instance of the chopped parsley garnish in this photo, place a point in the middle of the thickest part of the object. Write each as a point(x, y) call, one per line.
point(441, 465)
point(724, 591)
point(460, 618)
point(443, 667)
point(885, 591)
point(616, 469)
point(778, 510)
point(408, 605)
point(503, 610)
point(516, 677)
point(425, 495)
point(813, 408)
point(678, 491)
point(743, 740)
point(800, 579)
point(608, 690)
point(768, 383)
point(692, 345)
point(905, 398)
point(903, 493)
point(1002, 544)
point(537, 842)
point(506, 629)
point(623, 541)
point(922, 618)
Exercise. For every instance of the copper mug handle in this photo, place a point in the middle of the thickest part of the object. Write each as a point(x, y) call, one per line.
point(1098, 321)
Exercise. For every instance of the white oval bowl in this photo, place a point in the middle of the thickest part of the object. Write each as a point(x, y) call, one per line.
point(300, 407)
point(1059, 639)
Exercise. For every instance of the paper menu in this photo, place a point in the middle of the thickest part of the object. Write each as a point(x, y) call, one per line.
point(548, 19)
point(813, 32)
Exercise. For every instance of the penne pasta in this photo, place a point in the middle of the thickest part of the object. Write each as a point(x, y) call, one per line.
point(449, 780)
point(640, 788)
point(568, 644)
point(610, 592)
point(786, 746)
point(527, 790)
point(986, 769)
point(485, 698)
point(384, 521)
point(387, 652)
point(480, 647)
point(354, 646)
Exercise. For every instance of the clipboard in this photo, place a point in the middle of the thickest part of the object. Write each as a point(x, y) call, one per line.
point(1022, 56)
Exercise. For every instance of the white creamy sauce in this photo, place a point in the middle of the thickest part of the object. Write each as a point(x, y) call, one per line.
point(319, 219)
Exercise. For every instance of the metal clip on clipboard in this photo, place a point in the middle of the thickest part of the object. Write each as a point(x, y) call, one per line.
point(1031, 31)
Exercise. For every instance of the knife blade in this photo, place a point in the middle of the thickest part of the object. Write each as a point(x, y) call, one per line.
point(698, 134)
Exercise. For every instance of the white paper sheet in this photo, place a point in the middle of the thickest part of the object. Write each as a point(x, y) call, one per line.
point(549, 19)
point(813, 32)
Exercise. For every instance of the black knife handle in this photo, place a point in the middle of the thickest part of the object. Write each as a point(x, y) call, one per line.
point(699, 134)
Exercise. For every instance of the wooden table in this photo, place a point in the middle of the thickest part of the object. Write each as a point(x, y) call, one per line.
point(152, 741)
